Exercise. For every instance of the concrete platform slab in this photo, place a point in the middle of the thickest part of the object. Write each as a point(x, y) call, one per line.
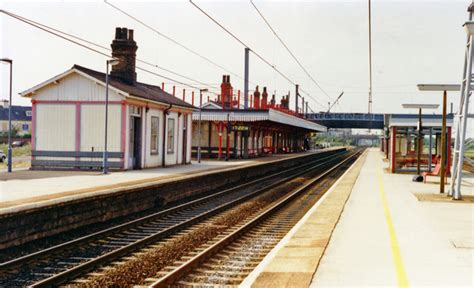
point(308, 239)
point(390, 232)
point(30, 186)
point(387, 237)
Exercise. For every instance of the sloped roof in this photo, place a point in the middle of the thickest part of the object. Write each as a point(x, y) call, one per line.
point(258, 115)
point(18, 113)
point(138, 89)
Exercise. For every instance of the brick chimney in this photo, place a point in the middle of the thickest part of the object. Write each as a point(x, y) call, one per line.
point(256, 98)
point(124, 48)
point(226, 92)
point(264, 100)
point(273, 102)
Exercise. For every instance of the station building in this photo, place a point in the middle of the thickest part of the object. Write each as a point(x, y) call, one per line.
point(400, 142)
point(147, 127)
point(227, 130)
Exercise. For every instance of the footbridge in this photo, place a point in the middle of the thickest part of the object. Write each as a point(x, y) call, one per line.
point(348, 120)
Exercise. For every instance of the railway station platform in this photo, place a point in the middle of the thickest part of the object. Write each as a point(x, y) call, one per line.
point(30, 187)
point(377, 229)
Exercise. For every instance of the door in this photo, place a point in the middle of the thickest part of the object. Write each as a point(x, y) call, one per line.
point(135, 142)
point(185, 138)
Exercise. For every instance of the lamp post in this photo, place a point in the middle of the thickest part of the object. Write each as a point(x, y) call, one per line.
point(444, 88)
point(9, 61)
point(110, 62)
point(420, 128)
point(199, 124)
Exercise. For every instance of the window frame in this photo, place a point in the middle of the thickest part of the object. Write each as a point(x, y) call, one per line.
point(170, 136)
point(155, 129)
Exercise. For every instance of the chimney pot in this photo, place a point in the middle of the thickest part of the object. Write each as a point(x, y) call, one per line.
point(224, 79)
point(124, 48)
point(118, 33)
point(124, 33)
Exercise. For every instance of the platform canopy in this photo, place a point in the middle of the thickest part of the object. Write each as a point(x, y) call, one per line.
point(270, 115)
point(411, 120)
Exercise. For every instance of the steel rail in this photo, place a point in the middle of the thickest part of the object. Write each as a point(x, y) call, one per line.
point(107, 257)
point(178, 273)
point(58, 248)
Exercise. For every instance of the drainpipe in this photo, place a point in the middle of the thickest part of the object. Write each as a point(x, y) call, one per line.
point(164, 135)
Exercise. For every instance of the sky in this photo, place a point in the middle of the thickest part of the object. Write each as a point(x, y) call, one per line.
point(412, 42)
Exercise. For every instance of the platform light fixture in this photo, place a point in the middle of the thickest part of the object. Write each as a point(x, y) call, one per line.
point(110, 62)
point(420, 106)
point(439, 87)
point(469, 26)
point(9, 156)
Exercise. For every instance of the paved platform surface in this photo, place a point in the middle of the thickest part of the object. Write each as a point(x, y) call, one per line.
point(386, 236)
point(28, 186)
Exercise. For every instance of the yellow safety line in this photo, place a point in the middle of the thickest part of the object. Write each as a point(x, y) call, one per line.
point(397, 257)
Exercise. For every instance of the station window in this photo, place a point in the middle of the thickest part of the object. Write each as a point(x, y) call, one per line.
point(154, 135)
point(170, 145)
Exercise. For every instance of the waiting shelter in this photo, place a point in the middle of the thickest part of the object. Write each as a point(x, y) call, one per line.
point(401, 145)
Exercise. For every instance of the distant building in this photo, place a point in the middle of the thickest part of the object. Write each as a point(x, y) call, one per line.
point(147, 127)
point(21, 118)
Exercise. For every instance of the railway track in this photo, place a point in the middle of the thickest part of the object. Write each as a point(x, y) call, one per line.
point(230, 258)
point(173, 253)
point(60, 263)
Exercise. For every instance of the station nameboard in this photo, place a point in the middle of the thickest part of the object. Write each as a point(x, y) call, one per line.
point(240, 128)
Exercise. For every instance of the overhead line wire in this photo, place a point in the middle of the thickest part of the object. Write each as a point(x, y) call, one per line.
point(245, 45)
point(56, 32)
point(108, 49)
point(172, 40)
point(289, 51)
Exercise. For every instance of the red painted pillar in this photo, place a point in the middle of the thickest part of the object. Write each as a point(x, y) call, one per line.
point(219, 129)
point(394, 139)
point(33, 126)
point(78, 129)
point(386, 147)
point(228, 142)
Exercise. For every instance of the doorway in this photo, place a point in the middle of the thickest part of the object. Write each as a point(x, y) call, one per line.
point(185, 138)
point(135, 142)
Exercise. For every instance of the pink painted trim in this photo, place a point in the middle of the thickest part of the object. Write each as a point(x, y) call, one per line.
point(78, 128)
point(75, 102)
point(177, 143)
point(124, 131)
point(33, 126)
point(393, 149)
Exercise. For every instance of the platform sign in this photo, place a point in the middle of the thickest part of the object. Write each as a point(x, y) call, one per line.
point(240, 128)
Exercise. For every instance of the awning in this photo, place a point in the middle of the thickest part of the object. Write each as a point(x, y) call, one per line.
point(257, 115)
